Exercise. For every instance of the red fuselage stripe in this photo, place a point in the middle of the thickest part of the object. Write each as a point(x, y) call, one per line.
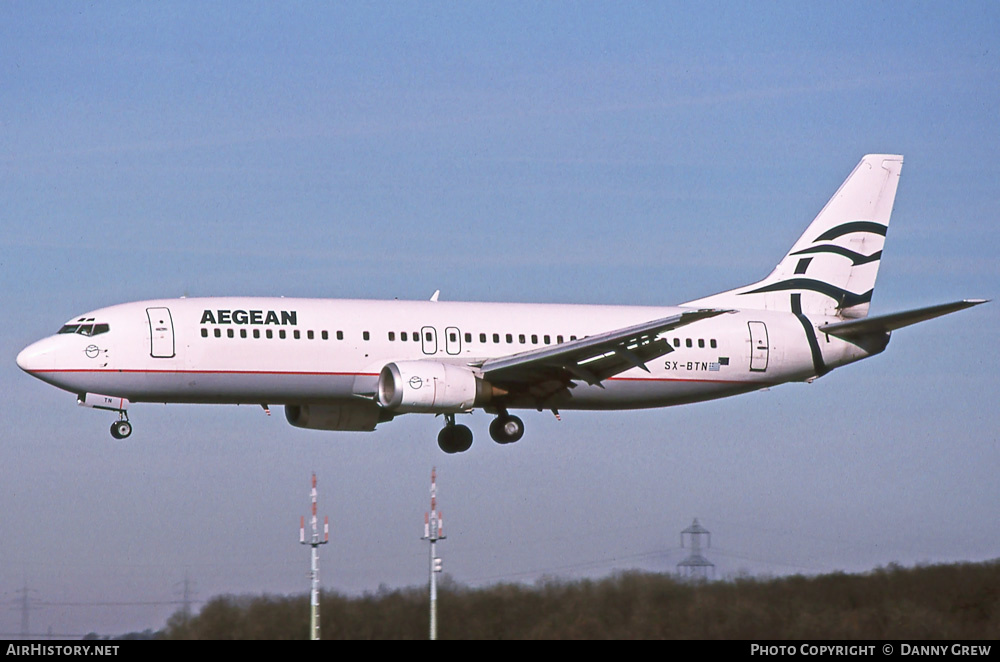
point(352, 374)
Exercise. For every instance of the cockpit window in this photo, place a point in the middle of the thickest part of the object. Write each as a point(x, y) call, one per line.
point(85, 329)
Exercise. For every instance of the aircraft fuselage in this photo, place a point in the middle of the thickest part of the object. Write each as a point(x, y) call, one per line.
point(312, 351)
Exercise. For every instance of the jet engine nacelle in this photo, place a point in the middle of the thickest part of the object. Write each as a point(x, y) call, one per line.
point(349, 416)
point(432, 387)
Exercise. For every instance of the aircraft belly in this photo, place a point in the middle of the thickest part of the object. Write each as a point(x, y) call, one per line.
point(219, 387)
point(639, 393)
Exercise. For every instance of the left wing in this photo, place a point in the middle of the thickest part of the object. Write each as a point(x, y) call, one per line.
point(542, 372)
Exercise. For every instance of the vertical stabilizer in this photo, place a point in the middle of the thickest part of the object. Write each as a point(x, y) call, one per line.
point(831, 269)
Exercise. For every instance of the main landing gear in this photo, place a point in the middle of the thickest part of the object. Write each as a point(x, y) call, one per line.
point(506, 429)
point(453, 438)
point(121, 428)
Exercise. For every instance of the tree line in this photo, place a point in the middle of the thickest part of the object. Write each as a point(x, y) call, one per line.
point(959, 601)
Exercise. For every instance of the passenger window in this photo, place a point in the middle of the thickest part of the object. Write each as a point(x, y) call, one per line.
point(468, 337)
point(325, 335)
point(688, 342)
point(712, 343)
point(295, 334)
point(677, 342)
point(559, 340)
point(392, 335)
point(281, 334)
point(309, 335)
point(403, 336)
point(482, 337)
point(256, 333)
point(243, 333)
point(547, 339)
point(452, 337)
point(701, 343)
point(520, 338)
point(534, 339)
point(269, 333)
point(229, 332)
point(496, 337)
point(340, 335)
point(218, 333)
point(510, 338)
point(204, 333)
point(365, 335)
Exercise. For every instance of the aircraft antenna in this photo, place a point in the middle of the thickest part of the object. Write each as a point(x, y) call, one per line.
point(433, 531)
point(314, 542)
point(696, 566)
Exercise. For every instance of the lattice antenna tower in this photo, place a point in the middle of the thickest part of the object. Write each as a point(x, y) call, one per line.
point(314, 542)
point(433, 531)
point(696, 566)
point(187, 593)
point(24, 604)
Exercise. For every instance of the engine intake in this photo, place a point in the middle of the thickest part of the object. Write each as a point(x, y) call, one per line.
point(432, 387)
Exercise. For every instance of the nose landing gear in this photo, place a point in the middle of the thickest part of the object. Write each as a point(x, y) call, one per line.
point(121, 428)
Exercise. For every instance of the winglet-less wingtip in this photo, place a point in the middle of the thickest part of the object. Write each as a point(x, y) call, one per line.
point(891, 322)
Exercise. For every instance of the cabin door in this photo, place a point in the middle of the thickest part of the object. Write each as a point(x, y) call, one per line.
point(758, 347)
point(161, 333)
point(429, 340)
point(453, 340)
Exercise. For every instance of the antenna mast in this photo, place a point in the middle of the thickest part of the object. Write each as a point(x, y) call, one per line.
point(433, 531)
point(314, 542)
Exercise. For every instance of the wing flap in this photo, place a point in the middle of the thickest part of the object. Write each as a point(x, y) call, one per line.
point(592, 359)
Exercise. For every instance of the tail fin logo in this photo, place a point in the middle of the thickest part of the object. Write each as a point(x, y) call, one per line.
point(843, 297)
point(853, 226)
point(831, 269)
point(856, 259)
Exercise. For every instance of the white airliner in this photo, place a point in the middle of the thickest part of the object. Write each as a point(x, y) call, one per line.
point(350, 364)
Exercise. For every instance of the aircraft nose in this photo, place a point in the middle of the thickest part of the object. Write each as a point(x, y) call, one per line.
point(35, 357)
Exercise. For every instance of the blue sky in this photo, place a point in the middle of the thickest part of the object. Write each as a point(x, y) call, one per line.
point(635, 153)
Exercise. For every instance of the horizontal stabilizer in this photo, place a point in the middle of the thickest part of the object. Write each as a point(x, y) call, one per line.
point(886, 323)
